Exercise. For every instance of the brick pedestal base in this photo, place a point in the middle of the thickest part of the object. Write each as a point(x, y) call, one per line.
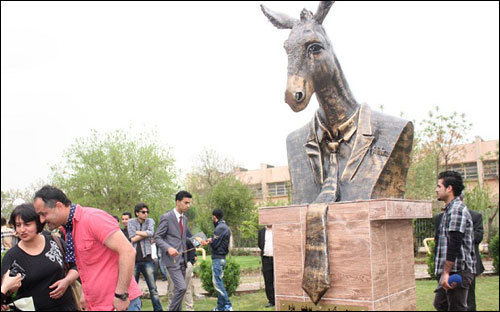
point(370, 250)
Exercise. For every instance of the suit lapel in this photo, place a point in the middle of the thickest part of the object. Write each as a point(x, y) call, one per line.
point(362, 144)
point(313, 152)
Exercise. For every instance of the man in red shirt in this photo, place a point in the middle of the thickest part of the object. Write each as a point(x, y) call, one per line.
point(104, 257)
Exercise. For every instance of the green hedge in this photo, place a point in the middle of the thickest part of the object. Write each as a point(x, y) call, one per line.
point(493, 246)
point(431, 265)
point(231, 277)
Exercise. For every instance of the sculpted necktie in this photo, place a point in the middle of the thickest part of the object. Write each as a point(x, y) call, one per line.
point(316, 278)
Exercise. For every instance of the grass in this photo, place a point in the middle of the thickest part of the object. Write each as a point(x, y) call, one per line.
point(486, 294)
point(244, 302)
point(486, 298)
point(249, 264)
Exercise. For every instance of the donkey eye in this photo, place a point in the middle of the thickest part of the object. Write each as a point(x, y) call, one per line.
point(314, 48)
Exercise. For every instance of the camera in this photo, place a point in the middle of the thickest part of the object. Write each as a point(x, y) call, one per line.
point(15, 268)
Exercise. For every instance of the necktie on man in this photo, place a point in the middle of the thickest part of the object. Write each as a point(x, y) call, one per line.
point(180, 225)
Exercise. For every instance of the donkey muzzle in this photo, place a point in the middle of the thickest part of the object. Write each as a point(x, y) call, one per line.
point(298, 92)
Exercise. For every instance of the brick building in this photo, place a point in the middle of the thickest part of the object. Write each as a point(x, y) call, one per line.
point(478, 164)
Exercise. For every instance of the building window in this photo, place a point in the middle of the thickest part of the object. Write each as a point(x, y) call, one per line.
point(257, 190)
point(277, 189)
point(470, 171)
point(458, 168)
point(467, 170)
point(490, 169)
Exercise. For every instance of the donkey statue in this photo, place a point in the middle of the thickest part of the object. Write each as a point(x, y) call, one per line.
point(347, 152)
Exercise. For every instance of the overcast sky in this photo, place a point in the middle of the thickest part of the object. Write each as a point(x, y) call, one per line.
point(214, 74)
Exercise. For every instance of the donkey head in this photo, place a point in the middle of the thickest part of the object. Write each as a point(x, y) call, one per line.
point(311, 61)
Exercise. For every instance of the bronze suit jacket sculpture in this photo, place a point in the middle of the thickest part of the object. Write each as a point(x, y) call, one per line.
point(347, 152)
point(375, 167)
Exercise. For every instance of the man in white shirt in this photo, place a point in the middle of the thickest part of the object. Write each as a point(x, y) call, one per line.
point(265, 243)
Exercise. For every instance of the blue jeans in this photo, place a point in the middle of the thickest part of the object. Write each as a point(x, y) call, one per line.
point(135, 305)
point(223, 303)
point(148, 272)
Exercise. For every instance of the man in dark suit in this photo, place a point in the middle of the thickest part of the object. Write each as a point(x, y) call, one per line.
point(265, 242)
point(171, 239)
point(477, 220)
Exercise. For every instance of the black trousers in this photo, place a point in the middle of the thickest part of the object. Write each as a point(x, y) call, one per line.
point(268, 272)
point(454, 299)
point(471, 296)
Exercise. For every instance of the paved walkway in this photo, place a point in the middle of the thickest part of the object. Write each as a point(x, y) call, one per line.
point(255, 282)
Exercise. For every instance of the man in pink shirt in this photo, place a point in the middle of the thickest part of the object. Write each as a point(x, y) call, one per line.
point(103, 255)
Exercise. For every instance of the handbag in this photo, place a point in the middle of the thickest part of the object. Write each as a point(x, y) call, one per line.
point(76, 287)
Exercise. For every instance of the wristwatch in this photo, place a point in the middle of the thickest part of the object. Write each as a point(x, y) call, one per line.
point(123, 296)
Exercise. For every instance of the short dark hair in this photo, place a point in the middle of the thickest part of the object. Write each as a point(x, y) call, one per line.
point(218, 213)
point(50, 195)
point(4, 222)
point(139, 206)
point(116, 218)
point(27, 213)
point(127, 214)
point(454, 179)
point(182, 194)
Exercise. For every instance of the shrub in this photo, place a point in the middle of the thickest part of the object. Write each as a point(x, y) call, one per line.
point(231, 277)
point(431, 265)
point(493, 247)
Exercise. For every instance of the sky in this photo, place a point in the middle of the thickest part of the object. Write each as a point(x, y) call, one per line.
point(213, 74)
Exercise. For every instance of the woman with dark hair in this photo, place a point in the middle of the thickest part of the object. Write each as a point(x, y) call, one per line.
point(41, 263)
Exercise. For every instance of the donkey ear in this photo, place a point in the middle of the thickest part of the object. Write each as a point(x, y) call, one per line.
point(279, 20)
point(323, 8)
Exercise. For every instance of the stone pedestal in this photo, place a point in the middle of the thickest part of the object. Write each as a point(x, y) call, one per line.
point(370, 250)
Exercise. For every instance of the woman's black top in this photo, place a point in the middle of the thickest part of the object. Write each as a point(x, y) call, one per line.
point(42, 271)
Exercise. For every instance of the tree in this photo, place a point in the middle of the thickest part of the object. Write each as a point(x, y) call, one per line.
point(209, 169)
point(236, 200)
point(421, 178)
point(480, 200)
point(26, 194)
point(443, 134)
point(115, 171)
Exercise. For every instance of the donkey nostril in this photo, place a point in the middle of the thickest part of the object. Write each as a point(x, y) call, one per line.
point(299, 96)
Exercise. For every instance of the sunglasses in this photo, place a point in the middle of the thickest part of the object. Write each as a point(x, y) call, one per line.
point(144, 211)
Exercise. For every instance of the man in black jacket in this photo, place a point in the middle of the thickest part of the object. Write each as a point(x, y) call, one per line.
point(219, 242)
point(265, 242)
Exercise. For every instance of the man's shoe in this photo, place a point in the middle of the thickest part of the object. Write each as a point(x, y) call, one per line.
point(269, 304)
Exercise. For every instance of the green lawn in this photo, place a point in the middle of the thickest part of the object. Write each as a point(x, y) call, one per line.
point(245, 302)
point(249, 263)
point(486, 296)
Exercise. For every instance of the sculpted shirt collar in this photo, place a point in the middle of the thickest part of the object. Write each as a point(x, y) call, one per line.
point(360, 122)
point(343, 133)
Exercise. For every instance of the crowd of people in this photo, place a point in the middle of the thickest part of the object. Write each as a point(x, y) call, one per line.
point(108, 260)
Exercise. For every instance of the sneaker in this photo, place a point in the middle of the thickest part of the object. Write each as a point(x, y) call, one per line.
point(229, 308)
point(215, 309)
point(269, 304)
